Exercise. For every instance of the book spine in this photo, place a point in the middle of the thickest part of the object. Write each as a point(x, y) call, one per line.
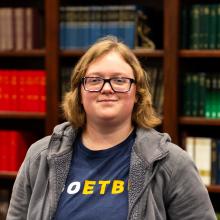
point(203, 158)
point(202, 94)
point(195, 94)
point(19, 28)
point(214, 162)
point(208, 97)
point(204, 26)
point(194, 26)
point(213, 26)
point(218, 26)
point(187, 91)
point(184, 28)
point(213, 97)
point(42, 90)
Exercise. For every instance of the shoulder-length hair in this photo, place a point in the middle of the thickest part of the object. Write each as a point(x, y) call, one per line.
point(143, 114)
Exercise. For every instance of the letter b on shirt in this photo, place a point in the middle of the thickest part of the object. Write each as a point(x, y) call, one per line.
point(117, 187)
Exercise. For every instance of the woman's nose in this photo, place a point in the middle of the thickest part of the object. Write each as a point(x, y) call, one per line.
point(107, 88)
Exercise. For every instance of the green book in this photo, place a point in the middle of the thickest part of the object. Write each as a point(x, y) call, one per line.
point(208, 96)
point(218, 26)
point(194, 26)
point(218, 96)
point(213, 97)
point(195, 94)
point(203, 26)
point(202, 94)
point(212, 26)
point(187, 89)
point(184, 28)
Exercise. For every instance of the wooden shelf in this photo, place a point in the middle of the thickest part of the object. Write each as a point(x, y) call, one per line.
point(8, 175)
point(22, 115)
point(199, 121)
point(199, 53)
point(148, 53)
point(138, 52)
point(214, 188)
point(23, 53)
point(72, 53)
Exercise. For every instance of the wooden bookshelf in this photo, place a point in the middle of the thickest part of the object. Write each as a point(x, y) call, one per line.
point(214, 188)
point(8, 175)
point(22, 115)
point(138, 52)
point(23, 53)
point(199, 121)
point(199, 53)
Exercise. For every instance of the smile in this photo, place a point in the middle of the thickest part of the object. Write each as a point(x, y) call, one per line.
point(107, 100)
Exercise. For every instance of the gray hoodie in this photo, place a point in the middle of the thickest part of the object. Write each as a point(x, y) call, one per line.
point(164, 182)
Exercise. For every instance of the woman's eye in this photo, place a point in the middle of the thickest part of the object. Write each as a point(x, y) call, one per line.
point(94, 80)
point(119, 80)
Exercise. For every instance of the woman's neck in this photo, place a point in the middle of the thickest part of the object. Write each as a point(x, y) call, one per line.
point(100, 138)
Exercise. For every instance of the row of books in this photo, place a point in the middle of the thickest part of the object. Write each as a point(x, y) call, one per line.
point(23, 90)
point(20, 28)
point(13, 147)
point(205, 152)
point(201, 26)
point(80, 26)
point(154, 75)
point(201, 94)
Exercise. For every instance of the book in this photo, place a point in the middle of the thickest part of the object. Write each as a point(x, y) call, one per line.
point(20, 28)
point(23, 90)
point(212, 41)
point(203, 158)
point(201, 150)
point(194, 26)
point(187, 92)
point(81, 26)
point(13, 147)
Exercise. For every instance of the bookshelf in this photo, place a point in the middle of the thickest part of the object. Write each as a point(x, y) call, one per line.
point(169, 55)
point(194, 60)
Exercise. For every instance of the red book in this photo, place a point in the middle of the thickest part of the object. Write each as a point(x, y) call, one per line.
point(17, 149)
point(1, 90)
point(42, 91)
point(13, 90)
point(3, 150)
point(5, 90)
point(35, 90)
point(21, 90)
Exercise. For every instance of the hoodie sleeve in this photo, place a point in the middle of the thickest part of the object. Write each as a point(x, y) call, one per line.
point(187, 197)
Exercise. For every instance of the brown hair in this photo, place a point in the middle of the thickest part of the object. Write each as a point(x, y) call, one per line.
point(143, 113)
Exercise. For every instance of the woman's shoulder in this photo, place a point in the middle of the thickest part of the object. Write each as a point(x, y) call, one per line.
point(155, 146)
point(178, 160)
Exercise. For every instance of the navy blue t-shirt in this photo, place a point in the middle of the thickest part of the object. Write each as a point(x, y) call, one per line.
point(97, 183)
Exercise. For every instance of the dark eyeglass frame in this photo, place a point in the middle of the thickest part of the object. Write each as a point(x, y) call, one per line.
point(83, 80)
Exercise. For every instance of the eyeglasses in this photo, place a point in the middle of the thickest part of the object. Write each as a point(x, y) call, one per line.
point(118, 84)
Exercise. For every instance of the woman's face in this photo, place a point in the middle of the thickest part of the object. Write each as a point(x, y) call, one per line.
point(108, 106)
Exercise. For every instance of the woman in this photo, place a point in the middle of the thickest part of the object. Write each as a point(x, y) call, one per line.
point(107, 162)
